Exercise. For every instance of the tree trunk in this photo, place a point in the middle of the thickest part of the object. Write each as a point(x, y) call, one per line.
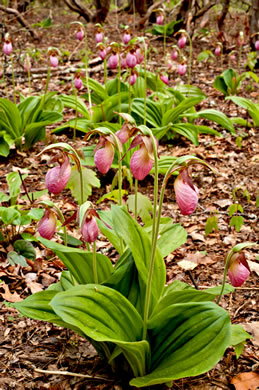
point(102, 9)
point(222, 16)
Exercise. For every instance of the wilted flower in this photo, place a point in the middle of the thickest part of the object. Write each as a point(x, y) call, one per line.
point(80, 34)
point(160, 19)
point(141, 161)
point(164, 78)
point(186, 193)
point(113, 61)
point(131, 60)
point(57, 177)
point(27, 63)
point(47, 224)
point(181, 69)
point(238, 269)
point(256, 45)
point(218, 51)
point(7, 48)
point(104, 154)
point(126, 38)
point(182, 41)
point(53, 61)
point(89, 227)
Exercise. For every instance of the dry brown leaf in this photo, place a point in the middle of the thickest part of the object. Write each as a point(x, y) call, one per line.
point(8, 296)
point(246, 381)
point(187, 265)
point(223, 203)
point(253, 329)
point(197, 236)
point(34, 286)
point(254, 266)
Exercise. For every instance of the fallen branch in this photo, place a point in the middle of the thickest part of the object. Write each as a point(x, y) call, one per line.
point(20, 19)
point(72, 374)
point(149, 12)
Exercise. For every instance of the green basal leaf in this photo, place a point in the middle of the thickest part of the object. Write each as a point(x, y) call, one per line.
point(80, 262)
point(25, 248)
point(14, 258)
point(71, 241)
point(144, 206)
point(188, 339)
point(89, 180)
point(109, 233)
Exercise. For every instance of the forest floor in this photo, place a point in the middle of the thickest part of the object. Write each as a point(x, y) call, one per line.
point(28, 346)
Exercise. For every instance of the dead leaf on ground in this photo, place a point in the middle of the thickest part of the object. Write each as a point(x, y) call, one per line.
point(253, 329)
point(246, 381)
point(223, 203)
point(254, 266)
point(8, 296)
point(192, 260)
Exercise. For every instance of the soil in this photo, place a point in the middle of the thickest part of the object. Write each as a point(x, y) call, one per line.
point(28, 346)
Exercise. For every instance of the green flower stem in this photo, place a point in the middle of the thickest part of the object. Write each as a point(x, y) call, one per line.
point(164, 44)
point(65, 235)
point(190, 60)
point(46, 86)
point(14, 91)
point(225, 274)
point(86, 73)
point(145, 78)
point(81, 184)
point(105, 71)
point(95, 264)
point(129, 109)
point(136, 200)
point(154, 244)
point(239, 58)
point(119, 87)
point(74, 132)
point(29, 80)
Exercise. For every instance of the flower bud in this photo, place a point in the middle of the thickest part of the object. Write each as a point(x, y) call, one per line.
point(113, 61)
point(78, 83)
point(131, 60)
point(182, 41)
point(174, 55)
point(53, 61)
point(89, 228)
point(80, 34)
point(47, 224)
point(238, 269)
point(186, 193)
point(257, 45)
point(133, 78)
point(57, 177)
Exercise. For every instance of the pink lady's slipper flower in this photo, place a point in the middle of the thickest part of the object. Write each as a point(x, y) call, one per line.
point(164, 78)
point(57, 177)
point(133, 78)
point(131, 60)
point(238, 269)
point(78, 83)
point(104, 154)
point(80, 34)
point(126, 38)
point(7, 48)
point(139, 55)
point(218, 51)
point(257, 45)
point(113, 61)
point(182, 41)
point(47, 224)
point(233, 58)
point(141, 161)
point(123, 62)
point(186, 193)
point(53, 61)
point(174, 55)
point(89, 227)
point(181, 69)
point(99, 37)
point(103, 53)
point(160, 19)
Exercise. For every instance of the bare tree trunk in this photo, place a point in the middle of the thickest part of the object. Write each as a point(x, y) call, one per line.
point(225, 8)
point(20, 18)
point(102, 9)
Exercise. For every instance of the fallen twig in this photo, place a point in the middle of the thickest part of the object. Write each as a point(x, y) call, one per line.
point(49, 372)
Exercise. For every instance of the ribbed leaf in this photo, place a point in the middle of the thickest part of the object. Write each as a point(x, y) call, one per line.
point(218, 117)
point(153, 111)
point(187, 130)
point(10, 118)
point(80, 262)
point(139, 242)
point(105, 111)
point(172, 115)
point(104, 315)
point(75, 103)
point(251, 107)
point(98, 90)
point(188, 339)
